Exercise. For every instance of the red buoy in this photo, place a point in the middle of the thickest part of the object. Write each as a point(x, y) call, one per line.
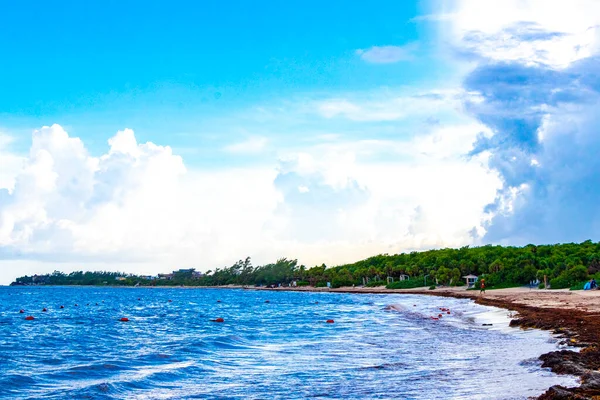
point(44, 309)
point(21, 311)
point(218, 301)
point(124, 319)
point(29, 318)
point(434, 318)
point(218, 320)
point(329, 321)
point(447, 312)
point(267, 301)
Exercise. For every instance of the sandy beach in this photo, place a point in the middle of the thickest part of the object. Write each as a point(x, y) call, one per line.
point(582, 300)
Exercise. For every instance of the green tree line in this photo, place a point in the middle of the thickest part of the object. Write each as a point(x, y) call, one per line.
point(564, 265)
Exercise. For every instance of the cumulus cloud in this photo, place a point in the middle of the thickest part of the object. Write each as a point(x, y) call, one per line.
point(138, 208)
point(387, 54)
point(10, 163)
point(539, 90)
point(70, 203)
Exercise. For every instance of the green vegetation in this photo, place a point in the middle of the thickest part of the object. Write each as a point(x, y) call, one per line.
point(408, 284)
point(377, 283)
point(564, 265)
point(581, 284)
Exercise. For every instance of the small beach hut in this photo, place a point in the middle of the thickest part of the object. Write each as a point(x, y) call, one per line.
point(471, 279)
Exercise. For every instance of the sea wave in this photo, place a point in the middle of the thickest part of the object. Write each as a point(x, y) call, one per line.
point(378, 346)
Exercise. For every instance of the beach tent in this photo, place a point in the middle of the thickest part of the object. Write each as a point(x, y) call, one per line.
point(587, 286)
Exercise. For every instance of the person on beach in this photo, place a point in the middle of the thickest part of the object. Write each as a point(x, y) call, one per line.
point(593, 284)
point(482, 286)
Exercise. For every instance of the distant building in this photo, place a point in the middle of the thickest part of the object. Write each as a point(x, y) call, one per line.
point(120, 278)
point(185, 271)
point(470, 279)
point(197, 274)
point(165, 276)
point(148, 277)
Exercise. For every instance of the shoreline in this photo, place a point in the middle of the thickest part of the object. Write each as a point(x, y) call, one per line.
point(573, 316)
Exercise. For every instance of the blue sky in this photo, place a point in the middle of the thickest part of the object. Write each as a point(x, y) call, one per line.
point(190, 65)
point(140, 136)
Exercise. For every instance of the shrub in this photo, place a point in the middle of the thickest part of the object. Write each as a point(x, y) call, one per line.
point(408, 284)
point(541, 286)
point(376, 283)
point(578, 286)
point(302, 283)
point(432, 287)
point(569, 278)
point(336, 283)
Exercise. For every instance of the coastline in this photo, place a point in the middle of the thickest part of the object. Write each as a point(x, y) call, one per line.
point(574, 316)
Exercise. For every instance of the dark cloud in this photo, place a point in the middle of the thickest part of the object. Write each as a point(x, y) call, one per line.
point(559, 174)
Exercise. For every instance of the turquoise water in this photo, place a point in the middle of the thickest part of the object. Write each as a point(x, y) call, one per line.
point(379, 347)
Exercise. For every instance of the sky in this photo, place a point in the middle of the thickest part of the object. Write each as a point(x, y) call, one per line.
point(148, 136)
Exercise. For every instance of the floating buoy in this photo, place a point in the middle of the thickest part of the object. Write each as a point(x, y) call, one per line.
point(434, 318)
point(76, 305)
point(316, 302)
point(218, 301)
point(218, 320)
point(29, 318)
point(96, 303)
point(439, 315)
point(414, 305)
point(267, 301)
point(170, 301)
point(44, 309)
point(62, 306)
point(139, 298)
point(21, 311)
point(447, 312)
point(124, 319)
point(330, 321)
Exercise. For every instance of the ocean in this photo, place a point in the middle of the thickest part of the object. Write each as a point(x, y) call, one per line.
point(271, 345)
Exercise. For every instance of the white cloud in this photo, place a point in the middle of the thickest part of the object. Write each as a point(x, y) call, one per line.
point(140, 208)
point(10, 164)
point(555, 33)
point(251, 145)
point(387, 54)
point(390, 106)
